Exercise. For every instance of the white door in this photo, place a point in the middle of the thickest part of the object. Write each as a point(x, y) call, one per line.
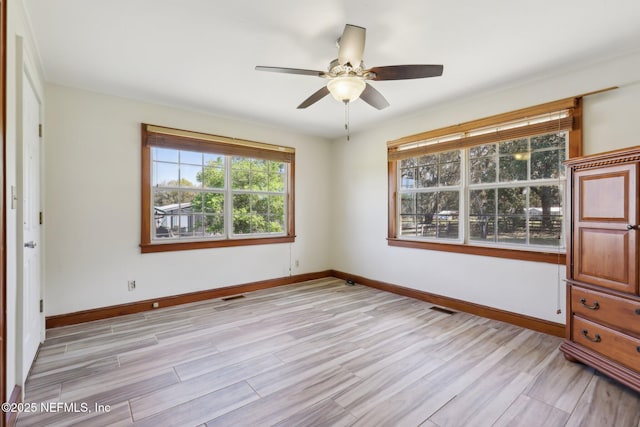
point(31, 318)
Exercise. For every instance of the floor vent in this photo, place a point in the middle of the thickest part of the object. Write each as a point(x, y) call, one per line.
point(442, 310)
point(232, 297)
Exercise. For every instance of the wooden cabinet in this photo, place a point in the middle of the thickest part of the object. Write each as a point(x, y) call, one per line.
point(603, 296)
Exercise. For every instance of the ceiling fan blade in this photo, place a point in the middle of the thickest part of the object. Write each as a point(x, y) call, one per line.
point(290, 71)
point(317, 96)
point(352, 45)
point(374, 98)
point(404, 72)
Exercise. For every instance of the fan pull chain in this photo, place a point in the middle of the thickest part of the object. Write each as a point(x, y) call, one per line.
point(346, 118)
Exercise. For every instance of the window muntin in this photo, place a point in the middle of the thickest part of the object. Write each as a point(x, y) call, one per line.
point(510, 191)
point(502, 212)
point(430, 195)
point(188, 193)
point(258, 196)
point(202, 191)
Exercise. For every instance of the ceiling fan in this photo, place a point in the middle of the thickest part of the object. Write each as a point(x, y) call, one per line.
point(348, 75)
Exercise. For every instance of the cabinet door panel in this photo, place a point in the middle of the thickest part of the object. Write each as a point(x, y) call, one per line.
point(603, 197)
point(604, 256)
point(605, 203)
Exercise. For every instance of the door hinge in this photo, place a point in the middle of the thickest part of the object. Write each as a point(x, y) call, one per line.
point(41, 306)
point(41, 219)
point(40, 130)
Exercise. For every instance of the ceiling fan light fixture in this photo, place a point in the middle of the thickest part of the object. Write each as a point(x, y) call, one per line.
point(346, 88)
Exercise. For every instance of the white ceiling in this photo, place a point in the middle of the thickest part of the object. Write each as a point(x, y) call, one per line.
point(201, 54)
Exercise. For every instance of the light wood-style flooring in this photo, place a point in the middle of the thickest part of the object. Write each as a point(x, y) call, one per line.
point(318, 353)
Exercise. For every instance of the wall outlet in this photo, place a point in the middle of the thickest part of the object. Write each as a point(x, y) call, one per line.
point(297, 263)
point(131, 284)
point(155, 305)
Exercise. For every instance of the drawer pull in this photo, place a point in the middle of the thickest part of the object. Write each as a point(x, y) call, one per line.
point(638, 311)
point(595, 305)
point(638, 348)
point(597, 338)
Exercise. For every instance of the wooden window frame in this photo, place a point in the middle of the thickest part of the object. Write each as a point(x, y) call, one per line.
point(574, 149)
point(158, 136)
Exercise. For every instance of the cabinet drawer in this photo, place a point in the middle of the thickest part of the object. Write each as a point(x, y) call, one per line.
point(617, 312)
point(622, 348)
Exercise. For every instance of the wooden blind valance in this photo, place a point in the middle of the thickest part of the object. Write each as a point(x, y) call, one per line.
point(546, 118)
point(158, 136)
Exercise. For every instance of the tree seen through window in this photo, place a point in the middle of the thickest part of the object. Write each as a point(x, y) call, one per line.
point(190, 192)
point(511, 192)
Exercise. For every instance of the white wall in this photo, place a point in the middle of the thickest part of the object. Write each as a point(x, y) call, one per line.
point(92, 209)
point(360, 184)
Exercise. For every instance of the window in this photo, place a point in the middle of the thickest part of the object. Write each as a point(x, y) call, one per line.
point(493, 187)
point(203, 191)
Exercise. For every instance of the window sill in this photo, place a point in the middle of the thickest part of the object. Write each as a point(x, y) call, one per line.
point(187, 246)
point(519, 254)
